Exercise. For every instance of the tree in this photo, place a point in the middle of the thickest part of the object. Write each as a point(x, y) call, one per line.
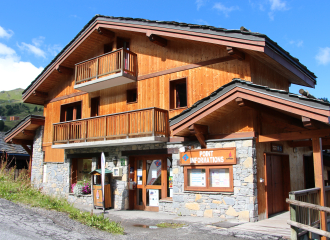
point(2, 125)
point(35, 109)
point(40, 109)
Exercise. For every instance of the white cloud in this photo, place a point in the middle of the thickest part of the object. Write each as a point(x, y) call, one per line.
point(200, 3)
point(225, 10)
point(278, 5)
point(14, 72)
point(54, 49)
point(202, 22)
point(38, 41)
point(323, 56)
point(32, 49)
point(298, 43)
point(5, 50)
point(5, 34)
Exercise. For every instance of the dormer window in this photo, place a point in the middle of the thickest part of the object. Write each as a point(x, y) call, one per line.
point(178, 93)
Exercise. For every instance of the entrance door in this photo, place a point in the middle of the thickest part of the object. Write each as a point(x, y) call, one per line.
point(150, 175)
point(277, 183)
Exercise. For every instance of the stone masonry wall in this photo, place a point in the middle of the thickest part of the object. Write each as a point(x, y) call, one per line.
point(241, 204)
point(37, 159)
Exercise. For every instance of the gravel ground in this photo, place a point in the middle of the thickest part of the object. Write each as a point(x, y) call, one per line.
point(22, 222)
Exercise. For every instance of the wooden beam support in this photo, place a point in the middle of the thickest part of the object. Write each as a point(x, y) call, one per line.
point(157, 40)
point(319, 179)
point(105, 32)
point(22, 142)
point(294, 135)
point(200, 131)
point(40, 94)
point(312, 124)
point(29, 133)
point(27, 149)
point(308, 143)
point(64, 70)
point(235, 53)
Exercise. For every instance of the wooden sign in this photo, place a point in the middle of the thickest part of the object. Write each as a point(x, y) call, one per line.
point(212, 156)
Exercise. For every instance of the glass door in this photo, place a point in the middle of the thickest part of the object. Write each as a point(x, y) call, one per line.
point(151, 182)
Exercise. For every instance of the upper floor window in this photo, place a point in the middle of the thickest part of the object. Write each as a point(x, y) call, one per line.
point(178, 93)
point(71, 111)
point(123, 43)
point(95, 106)
point(131, 95)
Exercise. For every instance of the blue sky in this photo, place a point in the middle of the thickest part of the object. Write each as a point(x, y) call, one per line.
point(33, 32)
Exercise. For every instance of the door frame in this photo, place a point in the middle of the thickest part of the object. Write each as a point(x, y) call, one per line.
point(284, 157)
point(133, 160)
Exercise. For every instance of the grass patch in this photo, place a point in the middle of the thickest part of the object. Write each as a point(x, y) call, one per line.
point(20, 191)
point(170, 225)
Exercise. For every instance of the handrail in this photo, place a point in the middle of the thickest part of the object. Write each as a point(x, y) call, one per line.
point(308, 205)
point(117, 50)
point(112, 114)
point(305, 191)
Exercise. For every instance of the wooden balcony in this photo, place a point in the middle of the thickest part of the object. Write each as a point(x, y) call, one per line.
point(106, 71)
point(149, 125)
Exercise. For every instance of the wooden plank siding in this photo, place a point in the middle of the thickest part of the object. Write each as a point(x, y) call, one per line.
point(154, 92)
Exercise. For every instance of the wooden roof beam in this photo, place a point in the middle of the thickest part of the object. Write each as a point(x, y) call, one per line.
point(27, 149)
point(29, 133)
point(312, 124)
point(22, 142)
point(200, 131)
point(235, 53)
point(64, 70)
point(157, 39)
point(295, 135)
point(308, 143)
point(40, 94)
point(273, 117)
point(105, 32)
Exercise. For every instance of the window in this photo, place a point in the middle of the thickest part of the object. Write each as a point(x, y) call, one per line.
point(131, 95)
point(95, 106)
point(208, 178)
point(80, 169)
point(178, 93)
point(71, 111)
point(123, 43)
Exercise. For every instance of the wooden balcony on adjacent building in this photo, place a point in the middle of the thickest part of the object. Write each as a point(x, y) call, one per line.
point(149, 125)
point(108, 70)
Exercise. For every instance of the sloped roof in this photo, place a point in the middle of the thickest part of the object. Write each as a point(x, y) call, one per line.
point(10, 148)
point(239, 34)
point(237, 82)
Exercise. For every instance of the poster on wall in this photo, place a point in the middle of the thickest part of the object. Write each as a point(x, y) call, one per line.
point(197, 178)
point(219, 177)
point(153, 197)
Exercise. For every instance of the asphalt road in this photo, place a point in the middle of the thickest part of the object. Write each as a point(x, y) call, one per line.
point(19, 222)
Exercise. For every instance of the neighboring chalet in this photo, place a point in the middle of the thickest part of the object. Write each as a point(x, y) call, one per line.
point(13, 118)
point(198, 117)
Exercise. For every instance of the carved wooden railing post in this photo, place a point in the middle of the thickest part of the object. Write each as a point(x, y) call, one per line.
point(153, 122)
point(293, 217)
point(122, 60)
point(97, 67)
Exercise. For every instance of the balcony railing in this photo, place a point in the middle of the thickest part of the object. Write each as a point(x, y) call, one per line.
point(132, 124)
point(107, 66)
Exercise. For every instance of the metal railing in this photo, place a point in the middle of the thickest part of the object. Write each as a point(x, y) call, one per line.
point(117, 61)
point(137, 123)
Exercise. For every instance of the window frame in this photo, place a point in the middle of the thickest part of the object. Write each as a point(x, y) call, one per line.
point(178, 81)
point(63, 110)
point(127, 94)
point(93, 102)
point(207, 188)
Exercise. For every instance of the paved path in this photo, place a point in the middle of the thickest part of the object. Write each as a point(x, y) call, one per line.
point(18, 222)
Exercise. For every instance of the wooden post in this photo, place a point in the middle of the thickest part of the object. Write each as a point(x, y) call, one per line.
point(293, 217)
point(97, 68)
point(319, 178)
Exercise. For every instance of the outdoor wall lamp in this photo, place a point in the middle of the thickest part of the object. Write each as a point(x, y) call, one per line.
point(115, 160)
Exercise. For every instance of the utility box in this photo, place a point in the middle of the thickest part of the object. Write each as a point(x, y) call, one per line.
point(117, 171)
point(97, 189)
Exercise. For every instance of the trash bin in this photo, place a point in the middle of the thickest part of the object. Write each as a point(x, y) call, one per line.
point(97, 189)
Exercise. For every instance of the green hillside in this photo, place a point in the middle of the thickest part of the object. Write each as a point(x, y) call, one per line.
point(11, 104)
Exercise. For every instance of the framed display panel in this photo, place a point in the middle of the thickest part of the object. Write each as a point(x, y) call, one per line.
point(208, 178)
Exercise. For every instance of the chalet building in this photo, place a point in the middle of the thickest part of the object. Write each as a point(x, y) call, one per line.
point(3, 118)
point(13, 118)
point(195, 120)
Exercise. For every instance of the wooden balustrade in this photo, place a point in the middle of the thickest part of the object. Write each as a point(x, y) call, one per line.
point(117, 61)
point(305, 212)
point(138, 123)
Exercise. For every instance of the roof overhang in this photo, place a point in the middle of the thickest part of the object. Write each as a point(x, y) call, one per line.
point(23, 133)
point(234, 38)
point(273, 98)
